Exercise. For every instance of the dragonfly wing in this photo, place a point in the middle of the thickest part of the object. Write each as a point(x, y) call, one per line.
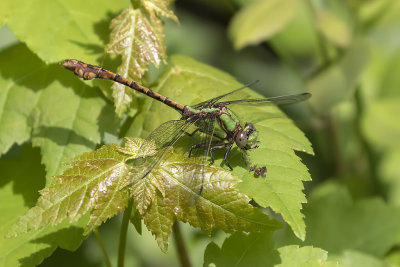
point(277, 100)
point(196, 180)
point(164, 136)
point(215, 99)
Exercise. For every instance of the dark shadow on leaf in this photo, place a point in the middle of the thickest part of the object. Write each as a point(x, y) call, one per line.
point(62, 136)
point(22, 166)
point(62, 238)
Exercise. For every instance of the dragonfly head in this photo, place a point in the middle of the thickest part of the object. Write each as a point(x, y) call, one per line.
point(246, 138)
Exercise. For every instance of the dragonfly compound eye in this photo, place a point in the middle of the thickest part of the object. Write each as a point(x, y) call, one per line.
point(241, 139)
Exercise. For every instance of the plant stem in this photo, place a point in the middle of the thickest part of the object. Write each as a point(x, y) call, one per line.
point(103, 249)
point(180, 246)
point(320, 38)
point(122, 235)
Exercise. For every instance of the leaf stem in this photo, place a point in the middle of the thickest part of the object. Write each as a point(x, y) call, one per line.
point(122, 235)
point(103, 249)
point(180, 246)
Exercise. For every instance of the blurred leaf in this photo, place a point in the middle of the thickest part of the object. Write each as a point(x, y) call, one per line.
point(389, 174)
point(19, 181)
point(258, 250)
point(55, 31)
point(139, 39)
point(333, 28)
point(359, 259)
point(259, 21)
point(298, 42)
point(304, 256)
point(242, 249)
point(335, 83)
point(63, 117)
point(380, 123)
point(336, 223)
point(185, 81)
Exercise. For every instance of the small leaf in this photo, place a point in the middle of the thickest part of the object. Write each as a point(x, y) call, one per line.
point(259, 21)
point(333, 28)
point(139, 39)
point(159, 8)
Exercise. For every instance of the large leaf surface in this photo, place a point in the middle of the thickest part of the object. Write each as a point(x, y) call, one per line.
point(63, 118)
point(62, 28)
point(21, 177)
point(101, 182)
point(190, 82)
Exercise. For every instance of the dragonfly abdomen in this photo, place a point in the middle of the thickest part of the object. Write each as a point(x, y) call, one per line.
point(89, 72)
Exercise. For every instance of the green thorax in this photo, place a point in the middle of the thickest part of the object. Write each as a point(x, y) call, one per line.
point(227, 120)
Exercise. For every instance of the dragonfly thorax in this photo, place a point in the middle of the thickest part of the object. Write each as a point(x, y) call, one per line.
point(246, 138)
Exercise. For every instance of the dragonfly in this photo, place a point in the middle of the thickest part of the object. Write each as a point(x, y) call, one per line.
point(220, 126)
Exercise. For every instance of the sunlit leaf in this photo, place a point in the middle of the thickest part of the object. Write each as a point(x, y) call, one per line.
point(220, 205)
point(91, 183)
point(62, 30)
point(259, 21)
point(158, 8)
point(137, 35)
point(333, 28)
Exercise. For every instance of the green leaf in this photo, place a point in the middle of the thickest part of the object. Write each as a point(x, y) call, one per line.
point(137, 35)
point(188, 79)
point(304, 256)
point(95, 181)
point(389, 174)
point(242, 249)
point(336, 223)
point(359, 259)
point(333, 28)
point(259, 21)
point(63, 116)
point(220, 206)
point(380, 123)
point(21, 177)
point(68, 27)
point(259, 250)
point(338, 82)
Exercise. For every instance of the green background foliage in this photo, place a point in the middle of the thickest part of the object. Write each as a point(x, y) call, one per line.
point(345, 52)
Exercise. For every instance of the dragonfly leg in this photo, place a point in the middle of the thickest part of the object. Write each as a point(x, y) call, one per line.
point(226, 155)
point(212, 149)
point(201, 145)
